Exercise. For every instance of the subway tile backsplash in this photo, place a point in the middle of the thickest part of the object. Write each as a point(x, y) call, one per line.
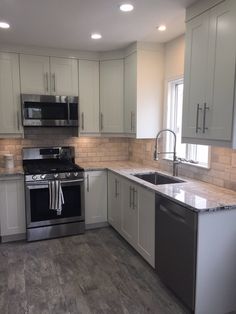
point(221, 173)
point(88, 149)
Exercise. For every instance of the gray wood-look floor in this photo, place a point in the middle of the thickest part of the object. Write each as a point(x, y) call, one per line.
point(97, 272)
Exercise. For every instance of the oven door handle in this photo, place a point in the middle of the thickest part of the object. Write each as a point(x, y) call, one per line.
point(44, 184)
point(72, 181)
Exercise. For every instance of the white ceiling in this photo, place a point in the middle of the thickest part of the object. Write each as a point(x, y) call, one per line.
point(68, 24)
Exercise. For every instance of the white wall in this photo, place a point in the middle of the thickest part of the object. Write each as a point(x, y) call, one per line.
point(174, 58)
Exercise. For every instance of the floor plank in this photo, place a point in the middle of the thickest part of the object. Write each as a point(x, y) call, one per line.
point(93, 273)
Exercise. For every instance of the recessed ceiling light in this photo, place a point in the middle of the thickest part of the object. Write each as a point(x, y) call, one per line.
point(161, 28)
point(126, 7)
point(4, 25)
point(96, 36)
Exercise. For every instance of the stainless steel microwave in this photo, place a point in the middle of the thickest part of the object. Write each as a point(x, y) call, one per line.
point(46, 110)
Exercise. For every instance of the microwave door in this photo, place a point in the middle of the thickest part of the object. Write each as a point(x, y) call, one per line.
point(34, 113)
point(49, 110)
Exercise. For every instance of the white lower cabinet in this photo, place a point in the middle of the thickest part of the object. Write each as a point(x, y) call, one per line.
point(146, 224)
point(129, 214)
point(131, 211)
point(114, 201)
point(12, 207)
point(95, 197)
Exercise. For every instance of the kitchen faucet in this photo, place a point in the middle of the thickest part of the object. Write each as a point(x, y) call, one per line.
point(175, 159)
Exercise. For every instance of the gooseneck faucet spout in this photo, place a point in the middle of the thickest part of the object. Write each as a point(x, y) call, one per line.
point(156, 153)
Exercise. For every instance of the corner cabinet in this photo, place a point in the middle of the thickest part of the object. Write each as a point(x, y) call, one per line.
point(143, 91)
point(111, 96)
point(89, 96)
point(12, 208)
point(95, 198)
point(48, 75)
point(131, 211)
point(10, 116)
point(209, 82)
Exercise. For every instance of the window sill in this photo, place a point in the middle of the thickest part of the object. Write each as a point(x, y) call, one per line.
point(190, 164)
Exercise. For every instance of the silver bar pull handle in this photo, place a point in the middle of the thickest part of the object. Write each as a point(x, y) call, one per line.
point(87, 183)
point(118, 188)
point(116, 194)
point(204, 128)
point(134, 199)
point(46, 82)
point(18, 120)
point(130, 197)
point(197, 118)
point(131, 121)
point(54, 82)
point(82, 122)
point(101, 121)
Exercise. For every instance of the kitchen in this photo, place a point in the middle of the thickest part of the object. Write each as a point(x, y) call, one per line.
point(124, 100)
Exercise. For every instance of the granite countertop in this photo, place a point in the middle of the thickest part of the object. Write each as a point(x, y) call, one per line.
point(11, 172)
point(196, 195)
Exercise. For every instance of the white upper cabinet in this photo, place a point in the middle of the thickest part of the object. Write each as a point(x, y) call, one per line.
point(130, 93)
point(111, 96)
point(10, 117)
point(144, 91)
point(34, 74)
point(48, 76)
point(195, 74)
point(89, 96)
point(64, 76)
point(209, 91)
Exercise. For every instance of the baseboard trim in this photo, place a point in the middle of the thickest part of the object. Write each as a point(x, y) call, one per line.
point(13, 237)
point(96, 225)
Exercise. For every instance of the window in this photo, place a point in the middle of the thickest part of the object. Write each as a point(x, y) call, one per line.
point(195, 154)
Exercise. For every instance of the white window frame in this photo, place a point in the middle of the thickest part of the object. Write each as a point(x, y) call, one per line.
point(191, 149)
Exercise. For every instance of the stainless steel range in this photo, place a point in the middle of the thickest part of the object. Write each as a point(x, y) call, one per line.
point(51, 174)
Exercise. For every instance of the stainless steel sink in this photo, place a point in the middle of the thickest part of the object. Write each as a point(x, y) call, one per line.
point(157, 178)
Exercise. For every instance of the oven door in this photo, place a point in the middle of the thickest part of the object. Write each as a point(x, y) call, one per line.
point(37, 203)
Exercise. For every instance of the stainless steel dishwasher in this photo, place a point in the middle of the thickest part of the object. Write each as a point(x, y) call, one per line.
point(176, 245)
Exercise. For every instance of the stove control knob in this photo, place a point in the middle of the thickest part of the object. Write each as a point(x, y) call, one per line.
point(43, 176)
point(76, 174)
point(68, 175)
point(56, 175)
point(34, 177)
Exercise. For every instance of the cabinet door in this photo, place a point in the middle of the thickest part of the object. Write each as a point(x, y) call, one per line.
point(221, 72)
point(111, 95)
point(130, 97)
point(129, 215)
point(146, 225)
point(9, 94)
point(195, 75)
point(34, 74)
point(12, 207)
point(114, 201)
point(89, 96)
point(64, 76)
point(95, 197)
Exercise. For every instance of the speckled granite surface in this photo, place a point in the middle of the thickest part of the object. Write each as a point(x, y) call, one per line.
point(11, 172)
point(196, 195)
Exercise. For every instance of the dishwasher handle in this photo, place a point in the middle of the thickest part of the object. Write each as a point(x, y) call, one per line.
point(172, 214)
point(177, 212)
